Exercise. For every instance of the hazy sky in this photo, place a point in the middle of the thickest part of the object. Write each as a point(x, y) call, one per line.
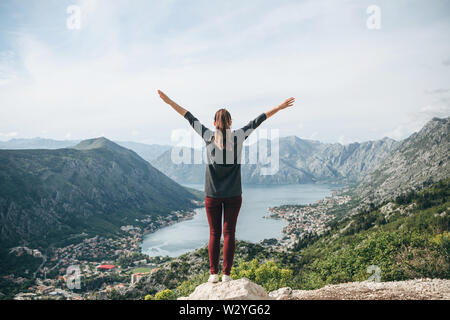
point(351, 83)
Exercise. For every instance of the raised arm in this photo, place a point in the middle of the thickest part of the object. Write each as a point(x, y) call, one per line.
point(287, 103)
point(246, 130)
point(198, 127)
point(172, 103)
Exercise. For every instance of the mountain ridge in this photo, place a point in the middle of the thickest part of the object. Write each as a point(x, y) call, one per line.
point(300, 161)
point(145, 151)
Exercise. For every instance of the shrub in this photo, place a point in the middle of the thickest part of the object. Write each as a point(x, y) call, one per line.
point(269, 274)
point(188, 286)
point(166, 294)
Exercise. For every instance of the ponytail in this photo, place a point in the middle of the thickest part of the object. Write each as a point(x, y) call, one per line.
point(223, 122)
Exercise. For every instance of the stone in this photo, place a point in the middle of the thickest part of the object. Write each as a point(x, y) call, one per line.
point(281, 294)
point(241, 289)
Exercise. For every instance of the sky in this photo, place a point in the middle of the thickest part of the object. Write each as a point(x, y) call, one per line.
point(357, 73)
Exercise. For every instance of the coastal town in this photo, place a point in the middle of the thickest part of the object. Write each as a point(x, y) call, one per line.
point(102, 264)
point(306, 219)
point(107, 264)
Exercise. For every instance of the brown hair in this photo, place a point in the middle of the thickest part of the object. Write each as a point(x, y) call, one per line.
point(223, 123)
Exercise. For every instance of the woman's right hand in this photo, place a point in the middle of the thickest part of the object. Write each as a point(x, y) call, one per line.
point(287, 103)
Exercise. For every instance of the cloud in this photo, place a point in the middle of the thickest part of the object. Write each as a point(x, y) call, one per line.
point(7, 72)
point(437, 91)
point(344, 140)
point(446, 62)
point(249, 57)
point(401, 131)
point(8, 135)
point(430, 111)
point(415, 121)
point(312, 136)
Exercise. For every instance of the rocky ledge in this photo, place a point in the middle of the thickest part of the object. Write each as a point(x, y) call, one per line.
point(241, 289)
point(244, 289)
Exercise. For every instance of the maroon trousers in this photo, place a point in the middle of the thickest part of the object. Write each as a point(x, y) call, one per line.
point(231, 207)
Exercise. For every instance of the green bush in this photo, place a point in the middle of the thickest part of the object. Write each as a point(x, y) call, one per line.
point(269, 274)
point(188, 286)
point(166, 294)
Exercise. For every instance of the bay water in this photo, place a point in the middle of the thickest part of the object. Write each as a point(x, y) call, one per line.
point(188, 235)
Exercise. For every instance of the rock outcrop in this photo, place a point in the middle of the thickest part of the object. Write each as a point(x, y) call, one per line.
point(244, 289)
point(418, 289)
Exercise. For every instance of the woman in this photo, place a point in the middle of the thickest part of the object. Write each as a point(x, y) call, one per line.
point(223, 179)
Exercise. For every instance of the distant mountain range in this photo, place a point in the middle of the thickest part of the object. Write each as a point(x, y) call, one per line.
point(379, 169)
point(148, 152)
point(99, 185)
point(94, 187)
point(37, 143)
point(300, 161)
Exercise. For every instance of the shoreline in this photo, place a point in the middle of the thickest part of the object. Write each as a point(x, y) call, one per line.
point(303, 219)
point(189, 216)
point(287, 236)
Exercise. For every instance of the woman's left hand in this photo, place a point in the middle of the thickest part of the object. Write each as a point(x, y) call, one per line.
point(164, 97)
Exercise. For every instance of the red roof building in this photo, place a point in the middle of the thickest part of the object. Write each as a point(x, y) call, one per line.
point(106, 267)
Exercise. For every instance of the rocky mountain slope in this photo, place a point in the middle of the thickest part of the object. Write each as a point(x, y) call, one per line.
point(300, 161)
point(94, 187)
point(421, 159)
point(244, 289)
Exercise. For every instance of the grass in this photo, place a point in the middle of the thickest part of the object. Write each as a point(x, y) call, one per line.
point(140, 270)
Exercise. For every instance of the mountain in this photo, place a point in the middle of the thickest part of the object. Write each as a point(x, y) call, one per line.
point(182, 172)
point(148, 152)
point(421, 159)
point(305, 161)
point(300, 161)
point(37, 143)
point(94, 187)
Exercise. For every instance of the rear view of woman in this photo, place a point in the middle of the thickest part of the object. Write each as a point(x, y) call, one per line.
point(223, 178)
